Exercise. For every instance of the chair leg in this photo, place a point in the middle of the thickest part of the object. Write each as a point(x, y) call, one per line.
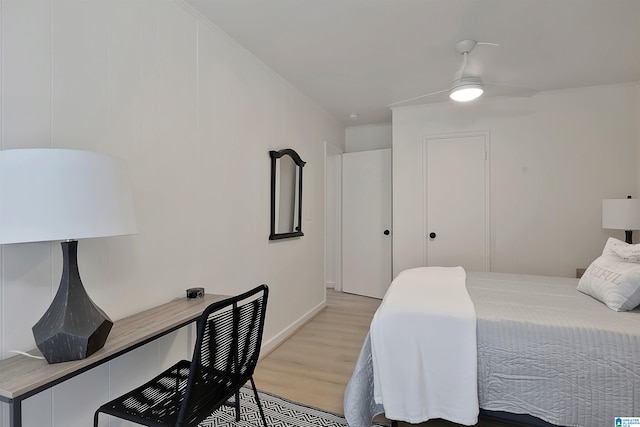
point(237, 405)
point(255, 393)
point(95, 419)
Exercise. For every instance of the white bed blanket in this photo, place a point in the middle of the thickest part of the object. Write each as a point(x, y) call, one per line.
point(423, 340)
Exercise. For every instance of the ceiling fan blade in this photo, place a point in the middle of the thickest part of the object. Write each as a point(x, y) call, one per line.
point(404, 101)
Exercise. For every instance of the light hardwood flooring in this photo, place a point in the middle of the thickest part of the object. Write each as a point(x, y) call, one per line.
point(315, 364)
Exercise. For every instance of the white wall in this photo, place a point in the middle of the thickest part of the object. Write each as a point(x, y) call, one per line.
point(194, 115)
point(638, 132)
point(554, 157)
point(368, 137)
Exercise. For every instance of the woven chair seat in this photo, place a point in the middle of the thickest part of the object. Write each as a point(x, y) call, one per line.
point(225, 356)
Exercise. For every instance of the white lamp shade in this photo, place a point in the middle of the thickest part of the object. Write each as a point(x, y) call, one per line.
point(621, 214)
point(56, 194)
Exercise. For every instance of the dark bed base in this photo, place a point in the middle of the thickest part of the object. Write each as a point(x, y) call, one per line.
point(513, 420)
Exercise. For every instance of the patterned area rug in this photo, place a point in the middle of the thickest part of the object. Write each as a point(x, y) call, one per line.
point(279, 412)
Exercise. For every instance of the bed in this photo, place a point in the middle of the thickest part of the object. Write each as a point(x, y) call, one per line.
point(544, 349)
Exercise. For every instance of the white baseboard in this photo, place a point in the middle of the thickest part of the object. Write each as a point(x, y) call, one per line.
point(270, 345)
point(331, 285)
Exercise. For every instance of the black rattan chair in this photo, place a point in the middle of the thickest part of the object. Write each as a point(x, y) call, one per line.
point(224, 358)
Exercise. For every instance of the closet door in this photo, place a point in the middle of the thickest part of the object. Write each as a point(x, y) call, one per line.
point(366, 222)
point(456, 202)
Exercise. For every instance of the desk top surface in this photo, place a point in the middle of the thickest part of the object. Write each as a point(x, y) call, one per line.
point(20, 374)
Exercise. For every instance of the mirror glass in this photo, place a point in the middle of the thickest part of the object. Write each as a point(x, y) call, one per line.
point(286, 194)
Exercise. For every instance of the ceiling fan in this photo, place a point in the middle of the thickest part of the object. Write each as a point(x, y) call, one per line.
point(466, 87)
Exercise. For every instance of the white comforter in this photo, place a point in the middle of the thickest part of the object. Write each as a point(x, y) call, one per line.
point(423, 340)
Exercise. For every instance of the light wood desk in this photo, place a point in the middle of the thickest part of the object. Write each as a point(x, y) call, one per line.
point(22, 377)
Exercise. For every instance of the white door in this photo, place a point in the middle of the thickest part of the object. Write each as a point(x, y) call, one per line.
point(366, 222)
point(457, 202)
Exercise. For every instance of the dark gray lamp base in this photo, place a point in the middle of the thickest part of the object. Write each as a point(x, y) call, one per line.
point(73, 327)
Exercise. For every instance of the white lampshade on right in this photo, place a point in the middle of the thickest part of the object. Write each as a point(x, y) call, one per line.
point(621, 214)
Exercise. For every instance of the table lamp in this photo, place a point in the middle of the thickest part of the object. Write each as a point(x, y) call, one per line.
point(65, 195)
point(621, 214)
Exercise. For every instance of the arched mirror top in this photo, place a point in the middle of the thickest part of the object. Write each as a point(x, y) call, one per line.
point(289, 152)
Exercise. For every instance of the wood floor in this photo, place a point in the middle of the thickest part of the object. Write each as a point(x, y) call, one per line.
point(315, 364)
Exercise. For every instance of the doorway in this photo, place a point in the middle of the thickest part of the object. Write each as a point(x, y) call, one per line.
point(333, 217)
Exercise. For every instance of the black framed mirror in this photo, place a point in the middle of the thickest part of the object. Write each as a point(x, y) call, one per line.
point(286, 194)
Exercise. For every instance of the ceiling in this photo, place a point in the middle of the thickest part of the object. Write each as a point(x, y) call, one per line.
point(359, 56)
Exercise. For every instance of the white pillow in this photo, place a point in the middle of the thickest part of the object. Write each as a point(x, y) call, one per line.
point(613, 245)
point(629, 253)
point(612, 281)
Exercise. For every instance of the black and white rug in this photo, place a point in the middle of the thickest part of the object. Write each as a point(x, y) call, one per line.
point(278, 411)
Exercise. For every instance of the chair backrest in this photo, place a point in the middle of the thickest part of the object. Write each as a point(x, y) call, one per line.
point(225, 354)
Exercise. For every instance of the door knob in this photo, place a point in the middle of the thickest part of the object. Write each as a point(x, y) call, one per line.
point(386, 232)
point(432, 235)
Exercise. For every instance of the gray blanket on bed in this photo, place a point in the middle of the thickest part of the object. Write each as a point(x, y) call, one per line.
point(359, 405)
point(544, 349)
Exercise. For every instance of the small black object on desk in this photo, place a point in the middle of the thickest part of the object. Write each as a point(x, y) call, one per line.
point(195, 292)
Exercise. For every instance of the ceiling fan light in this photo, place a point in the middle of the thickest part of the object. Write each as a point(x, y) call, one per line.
point(466, 92)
